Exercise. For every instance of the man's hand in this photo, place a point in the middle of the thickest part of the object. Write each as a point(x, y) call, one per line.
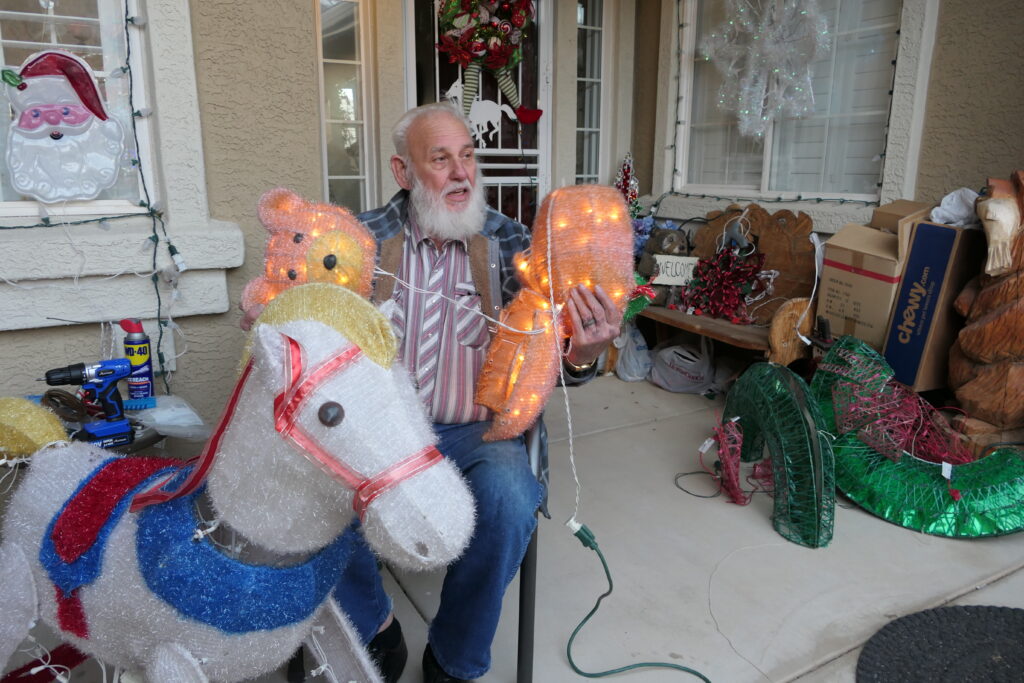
point(595, 323)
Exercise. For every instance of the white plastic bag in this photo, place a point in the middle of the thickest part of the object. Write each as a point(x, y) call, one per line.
point(682, 368)
point(173, 416)
point(634, 360)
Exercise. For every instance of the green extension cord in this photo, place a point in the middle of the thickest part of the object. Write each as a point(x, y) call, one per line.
point(586, 537)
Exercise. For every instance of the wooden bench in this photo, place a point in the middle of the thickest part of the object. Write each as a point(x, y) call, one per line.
point(783, 238)
point(779, 341)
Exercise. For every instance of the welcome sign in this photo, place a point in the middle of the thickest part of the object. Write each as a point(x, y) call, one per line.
point(673, 270)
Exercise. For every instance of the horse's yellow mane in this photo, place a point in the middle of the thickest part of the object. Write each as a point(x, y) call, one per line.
point(345, 311)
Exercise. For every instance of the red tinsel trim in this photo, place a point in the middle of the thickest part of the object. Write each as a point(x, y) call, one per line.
point(643, 290)
point(71, 614)
point(62, 656)
point(84, 515)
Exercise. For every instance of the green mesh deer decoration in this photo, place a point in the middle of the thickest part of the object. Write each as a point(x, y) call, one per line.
point(776, 412)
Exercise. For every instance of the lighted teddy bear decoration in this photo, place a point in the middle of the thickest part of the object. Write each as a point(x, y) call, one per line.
point(309, 242)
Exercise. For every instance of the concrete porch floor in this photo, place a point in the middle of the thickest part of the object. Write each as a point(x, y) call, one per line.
point(702, 582)
point(699, 581)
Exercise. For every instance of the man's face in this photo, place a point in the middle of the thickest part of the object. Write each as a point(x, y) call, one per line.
point(442, 158)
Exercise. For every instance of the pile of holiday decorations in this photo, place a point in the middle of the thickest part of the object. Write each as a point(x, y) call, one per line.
point(888, 450)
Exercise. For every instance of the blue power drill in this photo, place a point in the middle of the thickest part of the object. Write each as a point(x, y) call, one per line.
point(99, 385)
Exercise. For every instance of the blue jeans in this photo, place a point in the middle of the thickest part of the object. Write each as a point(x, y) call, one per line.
point(507, 496)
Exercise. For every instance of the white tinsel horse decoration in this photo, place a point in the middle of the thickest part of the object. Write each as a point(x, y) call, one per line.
point(321, 428)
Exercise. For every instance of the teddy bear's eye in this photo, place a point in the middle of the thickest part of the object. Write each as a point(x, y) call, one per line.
point(292, 274)
point(297, 237)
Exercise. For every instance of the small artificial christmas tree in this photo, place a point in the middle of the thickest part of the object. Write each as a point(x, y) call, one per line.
point(626, 183)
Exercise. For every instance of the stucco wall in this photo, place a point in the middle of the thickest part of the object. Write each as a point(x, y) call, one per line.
point(257, 76)
point(975, 99)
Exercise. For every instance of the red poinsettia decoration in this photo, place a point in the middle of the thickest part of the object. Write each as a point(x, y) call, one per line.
point(457, 52)
point(721, 284)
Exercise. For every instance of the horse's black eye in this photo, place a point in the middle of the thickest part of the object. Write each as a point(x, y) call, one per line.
point(331, 414)
point(330, 261)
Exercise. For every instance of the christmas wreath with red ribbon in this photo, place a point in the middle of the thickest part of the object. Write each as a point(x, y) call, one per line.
point(486, 33)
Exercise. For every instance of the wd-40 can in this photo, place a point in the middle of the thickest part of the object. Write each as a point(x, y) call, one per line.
point(136, 350)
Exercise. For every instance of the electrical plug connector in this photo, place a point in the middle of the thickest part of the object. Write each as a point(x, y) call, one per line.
point(583, 533)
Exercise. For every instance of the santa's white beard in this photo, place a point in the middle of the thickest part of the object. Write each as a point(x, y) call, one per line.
point(78, 166)
point(434, 216)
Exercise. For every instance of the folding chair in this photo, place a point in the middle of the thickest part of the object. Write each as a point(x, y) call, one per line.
point(535, 445)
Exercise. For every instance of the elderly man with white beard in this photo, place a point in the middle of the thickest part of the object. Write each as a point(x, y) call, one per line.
point(439, 236)
point(62, 145)
point(453, 258)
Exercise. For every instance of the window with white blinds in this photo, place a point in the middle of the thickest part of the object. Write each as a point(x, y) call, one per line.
point(345, 121)
point(838, 149)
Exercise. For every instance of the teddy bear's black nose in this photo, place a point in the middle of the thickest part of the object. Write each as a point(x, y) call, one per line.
point(330, 261)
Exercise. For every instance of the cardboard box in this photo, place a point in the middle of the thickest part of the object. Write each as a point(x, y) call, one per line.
point(861, 273)
point(940, 261)
point(888, 216)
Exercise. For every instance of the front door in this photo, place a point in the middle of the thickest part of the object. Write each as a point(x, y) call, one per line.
point(516, 176)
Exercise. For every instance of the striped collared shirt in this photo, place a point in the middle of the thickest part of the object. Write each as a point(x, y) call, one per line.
point(443, 344)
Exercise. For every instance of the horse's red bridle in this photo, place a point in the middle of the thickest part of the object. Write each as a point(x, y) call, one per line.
point(287, 407)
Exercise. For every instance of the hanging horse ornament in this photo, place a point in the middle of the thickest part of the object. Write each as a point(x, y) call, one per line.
point(478, 34)
point(582, 235)
point(114, 555)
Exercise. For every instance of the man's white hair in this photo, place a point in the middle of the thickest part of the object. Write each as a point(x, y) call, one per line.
point(400, 133)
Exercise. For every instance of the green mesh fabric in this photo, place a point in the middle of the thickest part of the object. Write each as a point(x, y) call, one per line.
point(982, 498)
point(914, 494)
point(849, 360)
point(776, 411)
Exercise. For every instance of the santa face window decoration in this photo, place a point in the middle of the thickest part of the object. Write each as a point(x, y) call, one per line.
point(61, 145)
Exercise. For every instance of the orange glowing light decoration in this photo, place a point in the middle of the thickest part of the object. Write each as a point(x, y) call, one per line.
point(310, 242)
point(591, 242)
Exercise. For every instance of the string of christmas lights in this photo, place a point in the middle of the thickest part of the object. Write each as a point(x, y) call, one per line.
point(152, 211)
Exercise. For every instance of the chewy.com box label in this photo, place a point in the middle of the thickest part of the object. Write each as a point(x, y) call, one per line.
point(918, 299)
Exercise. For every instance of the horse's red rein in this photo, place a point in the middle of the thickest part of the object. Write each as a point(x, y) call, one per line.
point(287, 406)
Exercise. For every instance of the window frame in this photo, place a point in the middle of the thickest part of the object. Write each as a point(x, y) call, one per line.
point(34, 210)
point(606, 111)
point(368, 95)
point(903, 129)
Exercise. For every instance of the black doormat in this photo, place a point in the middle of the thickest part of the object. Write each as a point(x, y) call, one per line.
point(947, 645)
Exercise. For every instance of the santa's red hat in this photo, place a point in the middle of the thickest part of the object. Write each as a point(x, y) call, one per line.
point(49, 76)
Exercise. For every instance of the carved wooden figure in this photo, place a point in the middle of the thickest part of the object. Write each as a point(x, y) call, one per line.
point(986, 364)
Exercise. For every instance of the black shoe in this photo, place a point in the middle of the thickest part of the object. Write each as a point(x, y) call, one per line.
point(388, 652)
point(432, 671)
